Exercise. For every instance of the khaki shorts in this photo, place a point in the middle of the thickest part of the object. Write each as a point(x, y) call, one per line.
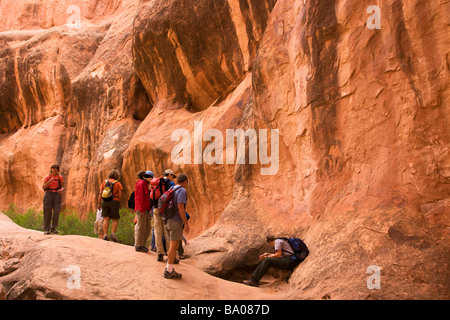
point(174, 230)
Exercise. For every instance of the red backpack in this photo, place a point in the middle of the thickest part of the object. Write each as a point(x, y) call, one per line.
point(165, 203)
point(157, 188)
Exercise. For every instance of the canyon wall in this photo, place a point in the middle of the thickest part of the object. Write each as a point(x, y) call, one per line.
point(357, 99)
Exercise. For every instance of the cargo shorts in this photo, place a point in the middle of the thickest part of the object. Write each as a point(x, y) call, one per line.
point(174, 230)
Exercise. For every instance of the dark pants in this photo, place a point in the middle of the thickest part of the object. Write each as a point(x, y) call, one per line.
point(264, 265)
point(52, 208)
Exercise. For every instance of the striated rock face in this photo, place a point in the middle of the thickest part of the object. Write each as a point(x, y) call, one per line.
point(361, 170)
point(83, 77)
point(194, 56)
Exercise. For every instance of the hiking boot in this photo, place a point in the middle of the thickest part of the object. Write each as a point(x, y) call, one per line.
point(172, 275)
point(160, 257)
point(54, 231)
point(113, 237)
point(46, 232)
point(252, 282)
point(106, 238)
point(141, 249)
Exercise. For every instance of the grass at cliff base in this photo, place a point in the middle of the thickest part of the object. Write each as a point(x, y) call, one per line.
point(70, 223)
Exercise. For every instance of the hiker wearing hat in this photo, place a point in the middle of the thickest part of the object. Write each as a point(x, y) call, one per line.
point(142, 209)
point(170, 176)
point(53, 186)
point(159, 228)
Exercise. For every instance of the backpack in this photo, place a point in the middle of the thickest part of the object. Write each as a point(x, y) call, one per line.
point(165, 203)
point(131, 203)
point(157, 188)
point(300, 250)
point(107, 194)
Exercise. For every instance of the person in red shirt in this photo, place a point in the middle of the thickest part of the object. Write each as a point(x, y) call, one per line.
point(53, 186)
point(142, 208)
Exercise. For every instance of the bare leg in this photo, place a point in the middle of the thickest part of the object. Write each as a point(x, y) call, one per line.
point(105, 225)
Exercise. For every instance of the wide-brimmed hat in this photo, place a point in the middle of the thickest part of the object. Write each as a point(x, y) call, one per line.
point(168, 171)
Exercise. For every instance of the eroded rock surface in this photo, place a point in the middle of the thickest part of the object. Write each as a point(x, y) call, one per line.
point(36, 266)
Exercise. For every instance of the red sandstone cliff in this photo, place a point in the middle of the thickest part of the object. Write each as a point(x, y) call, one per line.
point(362, 115)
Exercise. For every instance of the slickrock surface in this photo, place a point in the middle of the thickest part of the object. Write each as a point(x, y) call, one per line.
point(36, 266)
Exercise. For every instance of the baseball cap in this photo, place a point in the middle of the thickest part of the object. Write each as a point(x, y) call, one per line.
point(149, 173)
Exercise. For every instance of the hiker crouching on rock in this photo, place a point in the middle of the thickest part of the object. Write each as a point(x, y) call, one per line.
point(53, 186)
point(280, 259)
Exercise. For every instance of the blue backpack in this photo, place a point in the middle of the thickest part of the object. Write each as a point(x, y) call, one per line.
point(300, 250)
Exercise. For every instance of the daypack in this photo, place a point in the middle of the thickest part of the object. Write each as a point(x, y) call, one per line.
point(107, 194)
point(300, 250)
point(165, 203)
point(131, 202)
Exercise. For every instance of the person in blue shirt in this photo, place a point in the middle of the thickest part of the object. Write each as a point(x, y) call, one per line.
point(175, 225)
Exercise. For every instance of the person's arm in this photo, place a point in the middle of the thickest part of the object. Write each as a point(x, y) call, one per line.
point(46, 183)
point(277, 254)
point(182, 212)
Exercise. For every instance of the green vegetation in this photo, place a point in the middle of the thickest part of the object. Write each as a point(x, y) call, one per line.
point(69, 223)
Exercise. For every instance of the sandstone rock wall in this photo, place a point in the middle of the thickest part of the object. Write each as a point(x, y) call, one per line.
point(82, 78)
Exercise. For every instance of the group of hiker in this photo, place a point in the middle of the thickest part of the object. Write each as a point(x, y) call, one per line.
point(153, 197)
point(164, 200)
point(160, 198)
